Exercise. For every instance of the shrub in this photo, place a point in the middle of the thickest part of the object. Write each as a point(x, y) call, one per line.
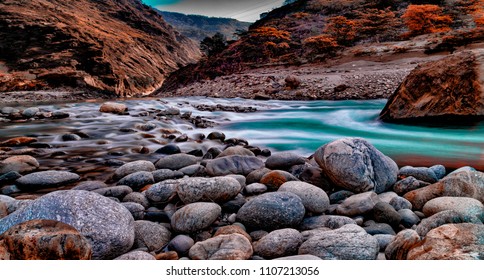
point(342, 30)
point(424, 19)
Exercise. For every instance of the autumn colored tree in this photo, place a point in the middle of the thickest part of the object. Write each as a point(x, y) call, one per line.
point(377, 24)
point(265, 42)
point(342, 30)
point(321, 44)
point(424, 19)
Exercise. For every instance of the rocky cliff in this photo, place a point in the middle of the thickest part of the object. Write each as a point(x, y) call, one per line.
point(121, 47)
point(449, 89)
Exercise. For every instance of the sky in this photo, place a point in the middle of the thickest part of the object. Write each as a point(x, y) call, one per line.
point(243, 10)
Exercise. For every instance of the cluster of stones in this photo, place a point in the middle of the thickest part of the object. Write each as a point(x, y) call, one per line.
point(31, 113)
point(348, 201)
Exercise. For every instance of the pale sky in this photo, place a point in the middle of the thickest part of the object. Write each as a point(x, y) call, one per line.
point(243, 10)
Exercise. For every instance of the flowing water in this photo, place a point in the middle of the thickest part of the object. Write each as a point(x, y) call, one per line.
point(300, 126)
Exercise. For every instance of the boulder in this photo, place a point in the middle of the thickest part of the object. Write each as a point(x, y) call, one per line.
point(448, 89)
point(150, 235)
point(350, 242)
point(463, 205)
point(464, 184)
point(279, 243)
point(132, 167)
point(20, 164)
point(314, 199)
point(358, 204)
point(114, 108)
point(45, 240)
point(194, 217)
point(466, 243)
point(242, 165)
point(46, 179)
point(176, 161)
point(107, 225)
point(442, 218)
point(272, 211)
point(401, 244)
point(223, 247)
point(216, 189)
point(356, 165)
point(284, 160)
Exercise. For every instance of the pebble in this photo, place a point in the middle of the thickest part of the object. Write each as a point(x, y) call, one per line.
point(326, 221)
point(136, 209)
point(132, 167)
point(284, 160)
point(137, 180)
point(46, 179)
point(274, 179)
point(169, 149)
point(150, 235)
point(242, 165)
point(21, 164)
point(195, 216)
point(223, 247)
point(136, 256)
point(118, 192)
point(420, 173)
point(358, 204)
point(181, 244)
point(176, 161)
point(314, 199)
point(278, 243)
point(162, 192)
point(217, 189)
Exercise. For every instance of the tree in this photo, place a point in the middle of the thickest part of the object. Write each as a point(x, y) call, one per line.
point(341, 29)
point(377, 24)
point(321, 44)
point(213, 45)
point(424, 19)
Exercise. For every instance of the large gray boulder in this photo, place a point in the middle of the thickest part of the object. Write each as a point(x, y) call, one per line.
point(108, 225)
point(356, 165)
point(350, 242)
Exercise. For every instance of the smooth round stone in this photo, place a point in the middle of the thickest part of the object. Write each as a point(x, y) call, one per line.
point(46, 240)
point(216, 136)
point(9, 177)
point(385, 213)
point(60, 115)
point(349, 242)
point(114, 108)
point(137, 210)
point(279, 243)
point(242, 165)
point(284, 160)
point(408, 218)
point(232, 229)
point(133, 167)
point(71, 137)
point(384, 240)
point(420, 173)
point(237, 150)
point(401, 244)
point(314, 199)
point(339, 196)
point(442, 218)
point(90, 186)
point(30, 112)
point(176, 161)
point(212, 153)
point(18, 141)
point(399, 203)
point(358, 204)
point(356, 165)
point(20, 164)
point(162, 192)
point(217, 189)
point(9, 110)
point(181, 244)
point(106, 224)
point(223, 247)
point(118, 192)
point(466, 243)
point(193, 170)
point(194, 217)
point(439, 171)
point(136, 256)
point(272, 211)
point(232, 206)
point(137, 197)
point(274, 179)
point(379, 228)
point(169, 149)
point(326, 221)
point(464, 205)
point(146, 126)
point(387, 196)
point(46, 179)
point(408, 184)
point(137, 180)
point(255, 189)
point(256, 175)
point(150, 235)
point(166, 174)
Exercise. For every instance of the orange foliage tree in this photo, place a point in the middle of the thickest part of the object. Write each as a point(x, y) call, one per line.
point(342, 30)
point(377, 24)
point(265, 42)
point(321, 44)
point(424, 19)
point(479, 13)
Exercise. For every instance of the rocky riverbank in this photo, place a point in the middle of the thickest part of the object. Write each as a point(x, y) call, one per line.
point(220, 198)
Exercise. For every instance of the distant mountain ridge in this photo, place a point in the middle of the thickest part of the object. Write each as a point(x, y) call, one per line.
point(197, 27)
point(120, 47)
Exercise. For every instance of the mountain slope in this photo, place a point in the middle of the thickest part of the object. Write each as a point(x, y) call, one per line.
point(197, 27)
point(121, 47)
